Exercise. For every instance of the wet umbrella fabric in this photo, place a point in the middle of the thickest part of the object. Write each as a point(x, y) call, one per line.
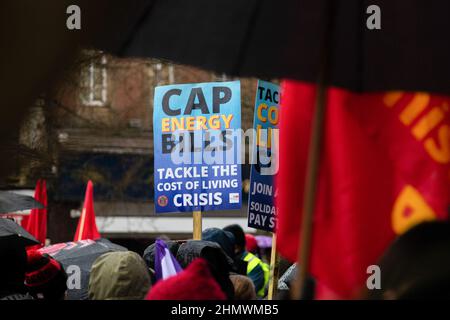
point(80, 254)
point(11, 202)
point(284, 39)
point(12, 231)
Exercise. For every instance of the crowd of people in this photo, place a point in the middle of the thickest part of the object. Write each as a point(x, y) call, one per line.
point(221, 266)
point(218, 267)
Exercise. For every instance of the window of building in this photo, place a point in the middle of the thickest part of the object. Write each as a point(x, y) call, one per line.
point(94, 84)
point(164, 74)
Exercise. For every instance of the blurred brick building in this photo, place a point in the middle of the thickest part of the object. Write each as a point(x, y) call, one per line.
point(98, 125)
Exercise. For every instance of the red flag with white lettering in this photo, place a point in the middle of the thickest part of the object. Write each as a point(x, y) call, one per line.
point(385, 166)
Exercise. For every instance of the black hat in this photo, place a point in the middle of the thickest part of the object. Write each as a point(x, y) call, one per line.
point(238, 232)
point(149, 252)
point(224, 238)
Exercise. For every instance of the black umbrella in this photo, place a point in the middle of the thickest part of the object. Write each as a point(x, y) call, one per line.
point(80, 254)
point(11, 202)
point(284, 39)
point(323, 41)
point(11, 230)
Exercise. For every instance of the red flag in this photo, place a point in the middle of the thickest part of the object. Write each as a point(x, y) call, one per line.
point(385, 166)
point(87, 227)
point(36, 222)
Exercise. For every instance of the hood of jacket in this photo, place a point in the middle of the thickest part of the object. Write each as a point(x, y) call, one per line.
point(219, 263)
point(119, 276)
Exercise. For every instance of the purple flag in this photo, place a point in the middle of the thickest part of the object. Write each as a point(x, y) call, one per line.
point(165, 263)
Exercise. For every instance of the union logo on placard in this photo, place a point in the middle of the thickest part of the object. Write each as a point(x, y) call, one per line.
point(234, 197)
point(162, 201)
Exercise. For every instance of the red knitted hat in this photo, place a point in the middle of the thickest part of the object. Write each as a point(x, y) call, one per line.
point(250, 243)
point(194, 283)
point(40, 269)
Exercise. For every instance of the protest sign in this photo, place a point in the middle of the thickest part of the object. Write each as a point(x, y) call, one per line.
point(261, 204)
point(196, 159)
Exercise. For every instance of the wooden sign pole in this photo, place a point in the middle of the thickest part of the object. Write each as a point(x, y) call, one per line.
point(305, 240)
point(274, 267)
point(197, 230)
point(314, 154)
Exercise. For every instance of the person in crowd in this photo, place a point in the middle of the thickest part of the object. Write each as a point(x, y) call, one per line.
point(13, 263)
point(284, 265)
point(257, 270)
point(120, 275)
point(45, 277)
point(224, 238)
point(416, 265)
point(284, 282)
point(227, 242)
point(220, 264)
point(288, 276)
point(244, 289)
point(194, 283)
point(149, 256)
point(250, 244)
